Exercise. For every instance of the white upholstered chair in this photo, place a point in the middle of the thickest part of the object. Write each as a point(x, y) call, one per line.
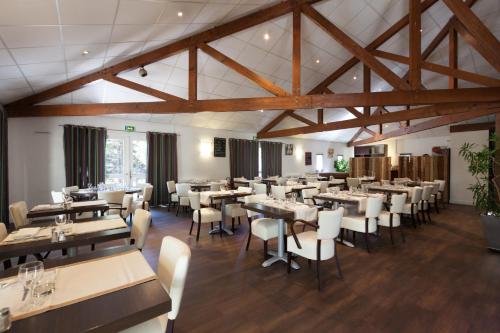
point(263, 228)
point(3, 233)
point(411, 208)
point(423, 205)
point(143, 201)
point(260, 188)
point(19, 211)
point(234, 210)
point(365, 224)
point(183, 195)
point(203, 215)
point(308, 194)
point(173, 265)
point(172, 194)
point(392, 218)
point(114, 199)
point(320, 244)
point(278, 192)
point(126, 210)
point(433, 200)
point(57, 197)
point(140, 227)
point(442, 187)
point(353, 182)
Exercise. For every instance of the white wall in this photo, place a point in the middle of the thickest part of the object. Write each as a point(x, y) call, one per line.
point(36, 158)
point(460, 178)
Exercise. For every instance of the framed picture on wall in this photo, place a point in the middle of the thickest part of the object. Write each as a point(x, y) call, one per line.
point(288, 149)
point(219, 147)
point(331, 151)
point(308, 158)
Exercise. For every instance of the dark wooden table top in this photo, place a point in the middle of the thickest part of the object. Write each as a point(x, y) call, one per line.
point(45, 244)
point(200, 186)
point(107, 313)
point(269, 211)
point(336, 199)
point(388, 189)
point(299, 189)
point(73, 210)
point(229, 195)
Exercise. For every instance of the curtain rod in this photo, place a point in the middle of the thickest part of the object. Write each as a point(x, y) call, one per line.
point(117, 130)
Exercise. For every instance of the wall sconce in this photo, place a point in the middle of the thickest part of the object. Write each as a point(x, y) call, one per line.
point(206, 148)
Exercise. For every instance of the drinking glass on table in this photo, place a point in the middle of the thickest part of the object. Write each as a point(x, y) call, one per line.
point(29, 274)
point(45, 286)
point(61, 220)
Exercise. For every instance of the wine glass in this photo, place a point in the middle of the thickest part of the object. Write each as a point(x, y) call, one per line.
point(61, 220)
point(29, 274)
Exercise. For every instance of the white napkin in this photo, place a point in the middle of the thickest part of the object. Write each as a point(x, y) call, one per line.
point(25, 233)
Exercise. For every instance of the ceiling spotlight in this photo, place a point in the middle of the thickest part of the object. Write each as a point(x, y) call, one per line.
point(317, 61)
point(354, 77)
point(179, 14)
point(143, 72)
point(261, 110)
point(421, 30)
point(266, 36)
point(85, 52)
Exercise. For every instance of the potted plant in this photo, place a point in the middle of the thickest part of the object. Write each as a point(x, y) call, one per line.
point(341, 165)
point(486, 194)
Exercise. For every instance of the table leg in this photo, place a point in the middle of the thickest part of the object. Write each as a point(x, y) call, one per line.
point(280, 256)
point(72, 251)
point(223, 216)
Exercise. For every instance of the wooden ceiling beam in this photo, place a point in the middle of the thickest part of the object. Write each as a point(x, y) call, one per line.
point(359, 52)
point(472, 127)
point(434, 123)
point(484, 37)
point(392, 117)
point(223, 30)
point(141, 88)
point(436, 68)
point(453, 57)
point(415, 45)
point(367, 87)
point(193, 74)
point(244, 71)
point(355, 136)
point(296, 50)
point(424, 97)
point(302, 119)
point(274, 122)
point(320, 116)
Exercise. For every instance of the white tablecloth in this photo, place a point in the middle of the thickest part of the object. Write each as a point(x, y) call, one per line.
point(301, 211)
point(205, 196)
point(359, 198)
point(78, 282)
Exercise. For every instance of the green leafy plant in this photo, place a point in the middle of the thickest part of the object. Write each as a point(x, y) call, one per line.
point(341, 165)
point(485, 191)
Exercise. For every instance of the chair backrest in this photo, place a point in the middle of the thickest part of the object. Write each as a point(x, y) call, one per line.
point(67, 190)
point(426, 193)
point(279, 192)
point(244, 189)
point(329, 223)
point(323, 186)
point(57, 197)
point(194, 200)
point(374, 206)
point(307, 195)
point(173, 265)
point(19, 211)
point(416, 196)
point(442, 184)
point(171, 186)
point(375, 184)
point(3, 231)
point(127, 204)
point(386, 182)
point(333, 189)
point(315, 184)
point(140, 227)
point(183, 189)
point(281, 181)
point(311, 179)
point(352, 182)
point(115, 197)
point(398, 203)
point(435, 188)
point(215, 187)
point(147, 193)
point(254, 198)
point(260, 188)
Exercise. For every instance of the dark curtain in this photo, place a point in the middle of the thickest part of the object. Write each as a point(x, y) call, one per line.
point(4, 184)
point(162, 164)
point(84, 157)
point(243, 158)
point(271, 158)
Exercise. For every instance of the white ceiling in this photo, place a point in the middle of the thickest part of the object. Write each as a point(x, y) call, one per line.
point(42, 44)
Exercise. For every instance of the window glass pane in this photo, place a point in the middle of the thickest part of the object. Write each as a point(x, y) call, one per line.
point(139, 161)
point(319, 162)
point(114, 161)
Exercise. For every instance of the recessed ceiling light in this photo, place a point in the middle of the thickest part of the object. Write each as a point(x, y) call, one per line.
point(266, 36)
point(179, 14)
point(85, 52)
point(354, 77)
point(421, 30)
point(317, 61)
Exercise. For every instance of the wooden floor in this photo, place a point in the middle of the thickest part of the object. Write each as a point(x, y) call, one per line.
point(441, 280)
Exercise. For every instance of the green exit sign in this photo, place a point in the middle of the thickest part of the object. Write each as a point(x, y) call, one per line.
point(129, 128)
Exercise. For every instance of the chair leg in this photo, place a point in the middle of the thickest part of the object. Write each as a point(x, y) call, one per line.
point(309, 263)
point(366, 236)
point(318, 261)
point(436, 206)
point(265, 250)
point(390, 228)
point(337, 262)
point(191, 229)
point(354, 238)
point(198, 233)
point(177, 212)
point(402, 233)
point(220, 229)
point(429, 214)
point(239, 220)
point(170, 326)
point(288, 262)
point(249, 233)
point(232, 224)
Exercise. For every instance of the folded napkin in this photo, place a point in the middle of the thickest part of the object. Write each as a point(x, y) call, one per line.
point(25, 233)
point(46, 207)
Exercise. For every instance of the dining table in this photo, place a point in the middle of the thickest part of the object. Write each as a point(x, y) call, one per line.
point(390, 189)
point(199, 187)
point(84, 194)
point(44, 210)
point(297, 188)
point(37, 236)
point(207, 198)
point(283, 212)
point(345, 197)
point(103, 291)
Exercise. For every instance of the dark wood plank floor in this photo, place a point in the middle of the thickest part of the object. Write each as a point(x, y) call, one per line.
point(442, 280)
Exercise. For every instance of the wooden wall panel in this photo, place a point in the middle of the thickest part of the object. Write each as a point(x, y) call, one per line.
point(380, 167)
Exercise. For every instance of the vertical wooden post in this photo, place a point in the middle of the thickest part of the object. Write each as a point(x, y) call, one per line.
point(193, 74)
point(415, 47)
point(366, 87)
point(296, 52)
point(320, 116)
point(453, 57)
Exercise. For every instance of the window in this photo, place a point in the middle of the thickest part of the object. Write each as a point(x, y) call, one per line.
point(114, 161)
point(139, 162)
point(319, 162)
point(126, 159)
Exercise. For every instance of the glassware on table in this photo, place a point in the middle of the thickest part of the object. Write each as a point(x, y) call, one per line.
point(61, 220)
point(29, 274)
point(67, 228)
point(46, 285)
